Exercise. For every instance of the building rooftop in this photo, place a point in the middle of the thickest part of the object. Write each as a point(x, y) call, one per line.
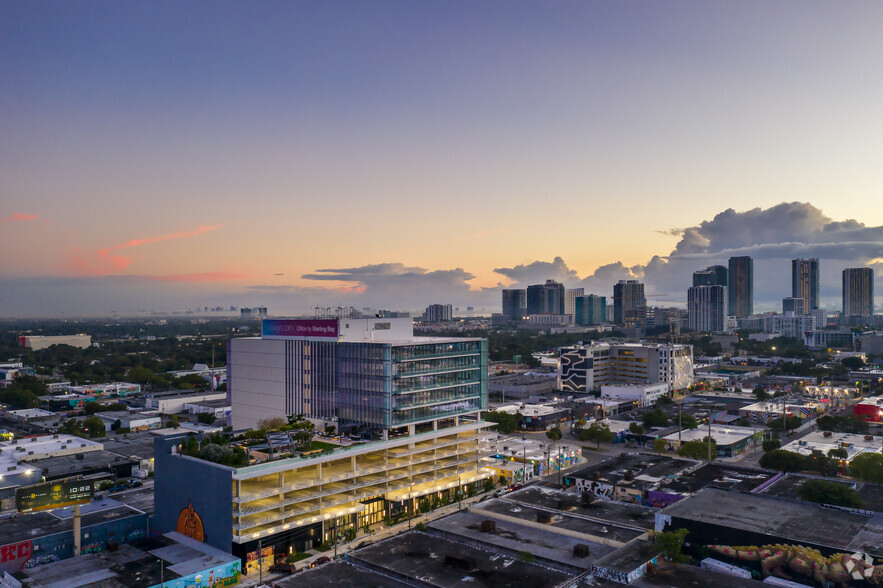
point(219, 403)
point(531, 410)
point(617, 512)
point(630, 557)
point(133, 445)
point(780, 517)
point(341, 574)
point(559, 520)
point(31, 413)
point(852, 443)
point(647, 469)
point(70, 465)
point(32, 448)
point(424, 558)
point(139, 565)
point(511, 538)
point(723, 435)
point(20, 527)
point(729, 477)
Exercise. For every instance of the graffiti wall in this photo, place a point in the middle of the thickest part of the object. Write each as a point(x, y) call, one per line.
point(599, 489)
point(662, 499)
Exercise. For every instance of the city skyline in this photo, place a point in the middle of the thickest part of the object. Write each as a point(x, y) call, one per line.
point(400, 155)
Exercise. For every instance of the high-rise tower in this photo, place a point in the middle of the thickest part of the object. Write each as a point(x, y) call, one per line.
point(858, 291)
point(805, 281)
point(740, 286)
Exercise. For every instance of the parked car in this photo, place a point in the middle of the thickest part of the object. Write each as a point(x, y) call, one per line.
point(283, 568)
point(322, 560)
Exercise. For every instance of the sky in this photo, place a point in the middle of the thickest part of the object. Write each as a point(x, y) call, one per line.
point(166, 155)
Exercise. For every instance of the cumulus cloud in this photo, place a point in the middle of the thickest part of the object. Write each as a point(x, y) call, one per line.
point(538, 272)
point(388, 284)
point(772, 236)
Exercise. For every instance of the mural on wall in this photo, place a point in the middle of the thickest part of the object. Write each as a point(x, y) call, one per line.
point(841, 568)
point(189, 524)
point(14, 555)
point(599, 489)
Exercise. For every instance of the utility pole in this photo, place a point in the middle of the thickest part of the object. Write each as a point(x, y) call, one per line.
point(709, 437)
point(560, 463)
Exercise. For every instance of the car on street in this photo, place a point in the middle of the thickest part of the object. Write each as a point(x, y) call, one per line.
point(282, 568)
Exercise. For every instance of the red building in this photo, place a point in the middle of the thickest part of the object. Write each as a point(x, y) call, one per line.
point(869, 409)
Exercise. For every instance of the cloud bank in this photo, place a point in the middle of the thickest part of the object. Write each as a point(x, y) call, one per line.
point(772, 236)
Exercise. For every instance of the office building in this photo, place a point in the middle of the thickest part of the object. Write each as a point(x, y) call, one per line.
point(858, 291)
point(583, 368)
point(546, 298)
point(740, 286)
point(713, 275)
point(438, 313)
point(590, 310)
point(790, 325)
point(707, 308)
point(370, 375)
point(418, 398)
point(514, 304)
point(805, 281)
point(629, 303)
point(570, 296)
point(794, 306)
point(37, 342)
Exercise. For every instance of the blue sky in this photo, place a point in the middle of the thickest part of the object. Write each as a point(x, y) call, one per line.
point(235, 142)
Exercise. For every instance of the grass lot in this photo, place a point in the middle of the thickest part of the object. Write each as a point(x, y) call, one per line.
point(322, 446)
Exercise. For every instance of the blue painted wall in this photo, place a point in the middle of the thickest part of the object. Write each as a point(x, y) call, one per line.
point(180, 480)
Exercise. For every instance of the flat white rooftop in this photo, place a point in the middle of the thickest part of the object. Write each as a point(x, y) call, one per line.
point(723, 435)
point(17, 451)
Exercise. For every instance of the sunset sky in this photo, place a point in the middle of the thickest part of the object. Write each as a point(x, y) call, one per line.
point(163, 155)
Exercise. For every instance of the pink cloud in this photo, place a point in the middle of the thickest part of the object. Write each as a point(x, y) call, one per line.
point(103, 262)
point(18, 217)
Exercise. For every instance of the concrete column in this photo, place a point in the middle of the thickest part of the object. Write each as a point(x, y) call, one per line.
point(320, 471)
point(77, 534)
point(355, 467)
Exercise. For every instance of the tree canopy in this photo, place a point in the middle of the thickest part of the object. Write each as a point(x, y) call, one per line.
point(827, 492)
point(782, 460)
point(597, 433)
point(654, 418)
point(867, 467)
point(698, 449)
point(506, 423)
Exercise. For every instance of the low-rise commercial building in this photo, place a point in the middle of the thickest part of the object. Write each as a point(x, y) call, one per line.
point(176, 401)
point(730, 440)
point(643, 394)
